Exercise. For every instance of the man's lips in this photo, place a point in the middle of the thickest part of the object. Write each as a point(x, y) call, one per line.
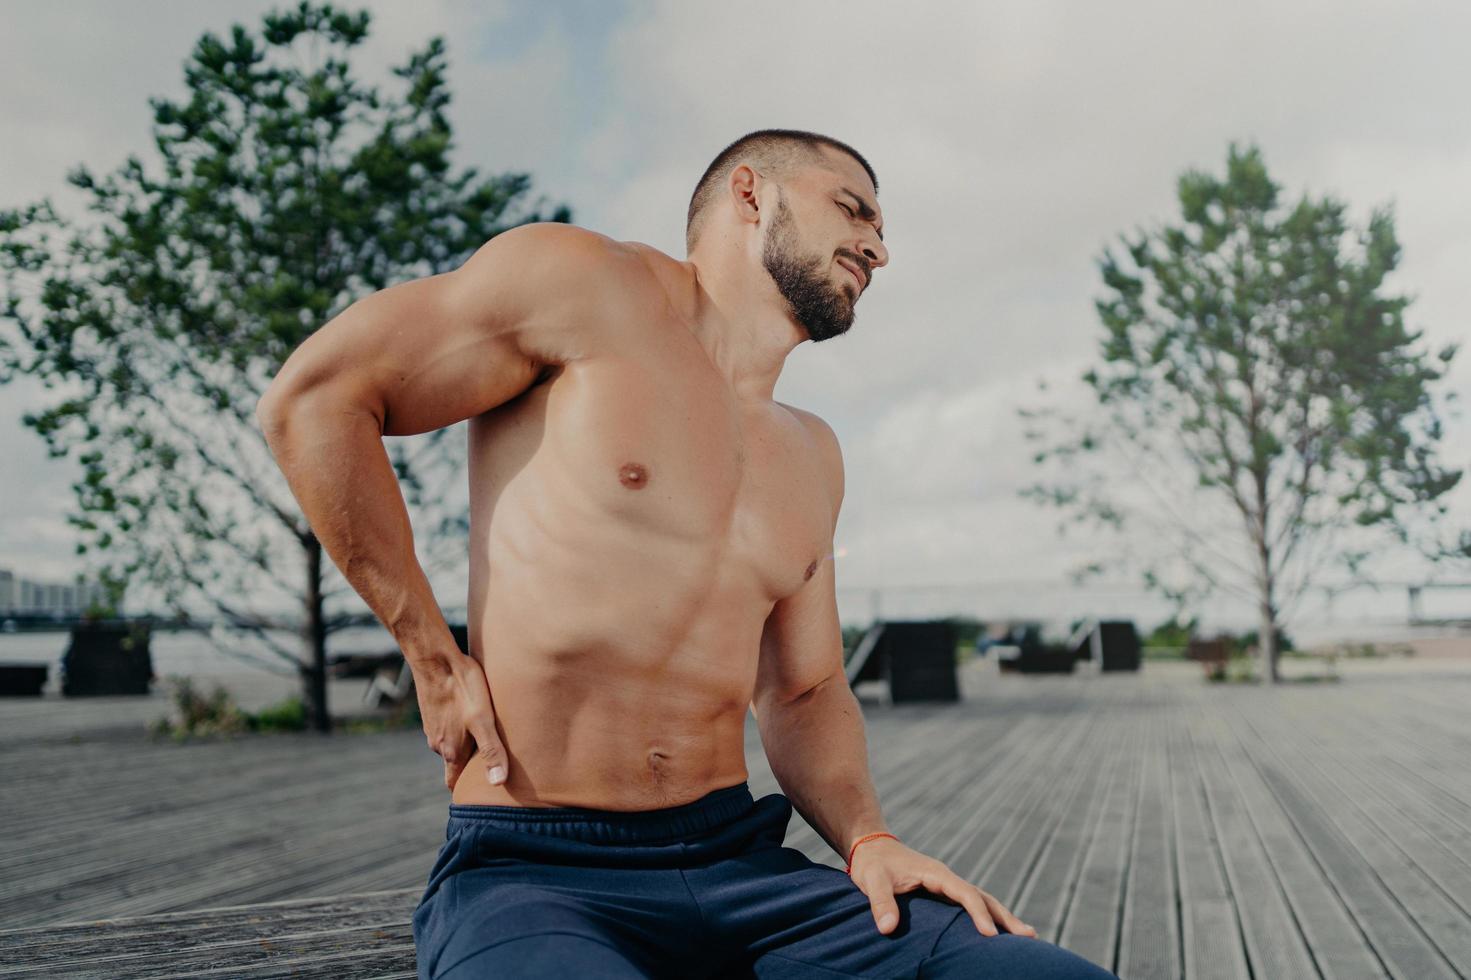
point(862, 279)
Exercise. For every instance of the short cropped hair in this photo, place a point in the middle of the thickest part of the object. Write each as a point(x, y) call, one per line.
point(774, 152)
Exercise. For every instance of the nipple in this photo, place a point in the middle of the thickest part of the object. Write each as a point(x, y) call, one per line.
point(811, 570)
point(634, 476)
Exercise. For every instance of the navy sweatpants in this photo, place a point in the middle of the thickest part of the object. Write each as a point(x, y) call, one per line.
point(700, 890)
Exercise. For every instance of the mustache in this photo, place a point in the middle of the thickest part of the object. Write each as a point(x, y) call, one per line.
point(859, 261)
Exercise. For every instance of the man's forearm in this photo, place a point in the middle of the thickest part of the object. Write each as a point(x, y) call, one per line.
point(819, 754)
point(338, 470)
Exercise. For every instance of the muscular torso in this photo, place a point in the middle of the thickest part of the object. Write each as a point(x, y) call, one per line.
point(632, 524)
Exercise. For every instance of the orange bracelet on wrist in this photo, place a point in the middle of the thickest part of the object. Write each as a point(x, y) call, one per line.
point(860, 840)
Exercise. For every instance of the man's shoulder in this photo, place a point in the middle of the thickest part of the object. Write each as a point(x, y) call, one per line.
point(676, 278)
point(565, 254)
point(595, 246)
point(826, 441)
point(582, 247)
point(575, 277)
point(639, 271)
point(813, 423)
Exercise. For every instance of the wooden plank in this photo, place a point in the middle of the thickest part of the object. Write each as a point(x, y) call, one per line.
point(997, 820)
point(949, 780)
point(1400, 776)
point(1210, 936)
point(1149, 937)
point(365, 948)
point(1090, 927)
point(1430, 827)
point(1396, 939)
point(1045, 898)
point(259, 921)
point(1017, 845)
point(1444, 926)
point(1274, 945)
point(283, 842)
point(1339, 948)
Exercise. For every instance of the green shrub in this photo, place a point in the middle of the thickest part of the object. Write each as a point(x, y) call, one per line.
point(199, 714)
point(288, 716)
point(1173, 633)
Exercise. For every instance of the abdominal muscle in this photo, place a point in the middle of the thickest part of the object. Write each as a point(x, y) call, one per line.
point(597, 731)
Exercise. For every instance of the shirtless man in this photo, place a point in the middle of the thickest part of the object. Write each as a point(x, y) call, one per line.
point(651, 543)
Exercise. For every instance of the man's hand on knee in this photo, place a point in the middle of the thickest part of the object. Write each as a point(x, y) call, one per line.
point(884, 868)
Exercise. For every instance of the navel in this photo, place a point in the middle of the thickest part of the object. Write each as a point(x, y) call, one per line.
point(811, 570)
point(634, 476)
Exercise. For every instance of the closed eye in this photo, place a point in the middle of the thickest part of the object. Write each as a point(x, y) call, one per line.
point(854, 215)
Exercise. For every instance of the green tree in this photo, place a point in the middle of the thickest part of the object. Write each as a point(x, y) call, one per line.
point(288, 190)
point(1439, 538)
point(1252, 347)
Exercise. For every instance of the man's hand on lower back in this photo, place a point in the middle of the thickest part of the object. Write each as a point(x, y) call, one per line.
point(884, 868)
point(459, 719)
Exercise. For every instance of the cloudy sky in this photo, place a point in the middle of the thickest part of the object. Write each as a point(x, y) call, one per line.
point(1012, 143)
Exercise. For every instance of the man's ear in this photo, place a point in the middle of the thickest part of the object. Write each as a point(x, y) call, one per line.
point(742, 187)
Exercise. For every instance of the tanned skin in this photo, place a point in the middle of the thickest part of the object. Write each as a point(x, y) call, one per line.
point(651, 534)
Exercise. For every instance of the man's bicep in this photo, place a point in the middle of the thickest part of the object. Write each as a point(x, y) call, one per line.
point(801, 641)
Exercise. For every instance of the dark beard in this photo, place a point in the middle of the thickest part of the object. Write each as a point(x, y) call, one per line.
point(823, 310)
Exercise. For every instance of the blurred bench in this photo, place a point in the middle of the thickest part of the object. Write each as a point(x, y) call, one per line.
point(1211, 654)
point(107, 657)
point(390, 678)
point(22, 680)
point(1112, 643)
point(916, 658)
point(1022, 651)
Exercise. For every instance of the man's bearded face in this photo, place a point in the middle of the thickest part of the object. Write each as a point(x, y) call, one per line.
point(822, 307)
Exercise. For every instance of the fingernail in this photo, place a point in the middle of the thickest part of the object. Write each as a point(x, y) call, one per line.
point(887, 922)
point(497, 774)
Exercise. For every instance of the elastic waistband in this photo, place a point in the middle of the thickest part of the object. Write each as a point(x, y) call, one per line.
point(709, 813)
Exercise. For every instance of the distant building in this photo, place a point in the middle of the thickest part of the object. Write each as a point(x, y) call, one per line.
point(27, 597)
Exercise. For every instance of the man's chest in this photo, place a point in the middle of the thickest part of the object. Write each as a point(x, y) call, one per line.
point(629, 450)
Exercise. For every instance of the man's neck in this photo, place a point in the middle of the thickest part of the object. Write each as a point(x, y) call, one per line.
point(744, 324)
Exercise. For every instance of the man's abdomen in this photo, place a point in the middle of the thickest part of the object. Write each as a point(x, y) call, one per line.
point(583, 731)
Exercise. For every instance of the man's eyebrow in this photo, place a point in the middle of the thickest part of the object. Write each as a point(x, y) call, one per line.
point(865, 211)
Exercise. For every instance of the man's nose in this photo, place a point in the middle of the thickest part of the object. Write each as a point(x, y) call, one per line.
point(875, 252)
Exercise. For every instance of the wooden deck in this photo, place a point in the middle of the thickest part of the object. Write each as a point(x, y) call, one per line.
point(1153, 823)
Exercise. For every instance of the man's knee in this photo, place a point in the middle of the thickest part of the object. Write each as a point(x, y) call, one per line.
point(962, 951)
